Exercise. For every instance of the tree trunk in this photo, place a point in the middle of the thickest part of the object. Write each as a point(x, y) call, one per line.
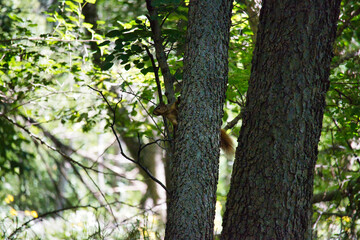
point(272, 182)
point(194, 169)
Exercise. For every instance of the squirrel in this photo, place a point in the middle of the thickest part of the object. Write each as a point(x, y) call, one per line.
point(170, 111)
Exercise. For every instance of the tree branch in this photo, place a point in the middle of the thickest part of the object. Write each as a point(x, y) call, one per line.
point(67, 148)
point(137, 162)
point(41, 216)
point(38, 139)
point(233, 122)
point(160, 52)
point(49, 39)
point(326, 196)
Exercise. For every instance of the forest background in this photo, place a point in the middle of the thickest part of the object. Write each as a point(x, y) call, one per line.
point(67, 66)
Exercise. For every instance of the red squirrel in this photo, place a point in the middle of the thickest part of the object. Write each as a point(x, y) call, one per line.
point(170, 112)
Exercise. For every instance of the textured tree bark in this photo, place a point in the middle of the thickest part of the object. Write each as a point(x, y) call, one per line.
point(194, 169)
point(272, 182)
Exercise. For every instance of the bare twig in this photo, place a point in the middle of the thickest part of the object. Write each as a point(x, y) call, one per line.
point(233, 122)
point(65, 156)
point(41, 216)
point(41, 141)
point(137, 162)
point(69, 149)
point(109, 208)
point(156, 72)
point(48, 39)
point(167, 132)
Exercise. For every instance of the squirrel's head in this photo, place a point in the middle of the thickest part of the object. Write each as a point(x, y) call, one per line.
point(160, 109)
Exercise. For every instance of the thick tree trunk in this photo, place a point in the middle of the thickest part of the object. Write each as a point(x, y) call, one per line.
point(272, 181)
point(194, 169)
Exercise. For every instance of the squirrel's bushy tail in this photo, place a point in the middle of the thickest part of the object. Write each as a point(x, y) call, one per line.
point(226, 143)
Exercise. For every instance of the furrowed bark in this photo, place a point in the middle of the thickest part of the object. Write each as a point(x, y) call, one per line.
point(194, 170)
point(272, 182)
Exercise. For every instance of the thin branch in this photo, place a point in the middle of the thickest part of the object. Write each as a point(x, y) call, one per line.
point(41, 216)
point(343, 94)
point(334, 194)
point(136, 95)
point(344, 214)
point(65, 156)
point(326, 196)
point(38, 139)
point(233, 122)
point(103, 195)
point(160, 52)
point(49, 39)
point(171, 12)
point(151, 143)
point(157, 80)
point(346, 83)
point(69, 149)
point(33, 100)
point(167, 132)
point(156, 72)
point(137, 162)
point(53, 181)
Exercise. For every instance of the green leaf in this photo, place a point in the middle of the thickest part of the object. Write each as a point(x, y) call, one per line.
point(178, 75)
point(119, 42)
point(15, 17)
point(71, 5)
point(124, 58)
point(119, 48)
point(136, 48)
point(73, 19)
point(134, 113)
point(107, 66)
point(104, 43)
point(87, 25)
point(50, 19)
point(140, 65)
point(91, 1)
point(114, 33)
point(147, 70)
point(137, 34)
point(109, 58)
